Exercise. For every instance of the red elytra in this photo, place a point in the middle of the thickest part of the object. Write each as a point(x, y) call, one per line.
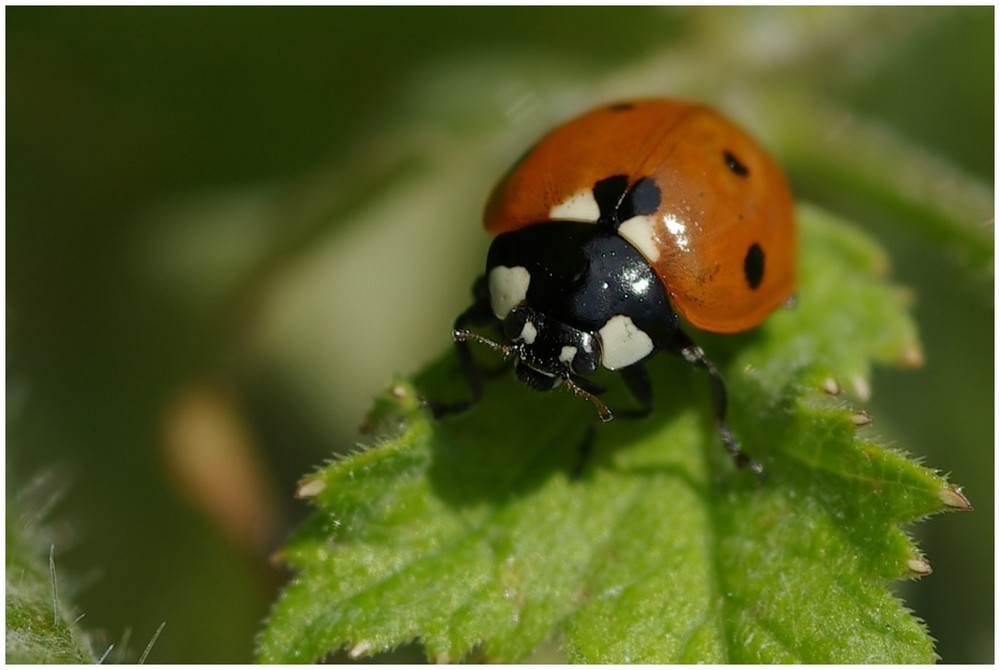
point(723, 239)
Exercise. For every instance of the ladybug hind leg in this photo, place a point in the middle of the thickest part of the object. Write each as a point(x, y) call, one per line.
point(682, 346)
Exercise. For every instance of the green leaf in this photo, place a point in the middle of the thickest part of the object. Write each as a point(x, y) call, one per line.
point(491, 533)
point(39, 629)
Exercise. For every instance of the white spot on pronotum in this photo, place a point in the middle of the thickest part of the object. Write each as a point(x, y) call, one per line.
point(640, 231)
point(529, 333)
point(623, 342)
point(581, 206)
point(567, 354)
point(831, 386)
point(508, 289)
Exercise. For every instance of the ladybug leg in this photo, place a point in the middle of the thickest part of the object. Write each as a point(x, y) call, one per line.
point(586, 389)
point(636, 379)
point(479, 313)
point(693, 354)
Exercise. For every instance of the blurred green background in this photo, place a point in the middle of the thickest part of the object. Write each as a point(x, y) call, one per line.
point(227, 228)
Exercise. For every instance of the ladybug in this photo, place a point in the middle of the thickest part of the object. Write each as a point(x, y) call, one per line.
point(618, 230)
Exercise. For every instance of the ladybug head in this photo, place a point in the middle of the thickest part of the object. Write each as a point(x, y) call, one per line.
point(547, 353)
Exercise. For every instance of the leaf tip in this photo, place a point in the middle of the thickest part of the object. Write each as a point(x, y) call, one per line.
point(399, 392)
point(442, 658)
point(310, 487)
point(860, 418)
point(359, 649)
point(911, 356)
point(953, 498)
point(919, 567)
point(392, 408)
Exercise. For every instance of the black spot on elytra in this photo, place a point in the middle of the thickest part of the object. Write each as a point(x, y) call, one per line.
point(735, 165)
point(608, 194)
point(753, 265)
point(618, 202)
point(621, 107)
point(642, 199)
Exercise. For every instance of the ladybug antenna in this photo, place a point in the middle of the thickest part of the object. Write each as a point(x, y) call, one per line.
point(462, 335)
point(580, 392)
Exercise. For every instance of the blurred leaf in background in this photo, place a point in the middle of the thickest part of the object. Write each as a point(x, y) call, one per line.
point(228, 228)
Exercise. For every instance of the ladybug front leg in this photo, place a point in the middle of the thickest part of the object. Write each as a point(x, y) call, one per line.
point(636, 378)
point(682, 345)
point(478, 314)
